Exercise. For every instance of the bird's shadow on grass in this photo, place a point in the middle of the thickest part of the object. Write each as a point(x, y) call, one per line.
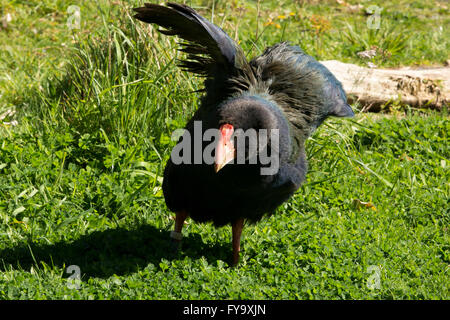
point(114, 251)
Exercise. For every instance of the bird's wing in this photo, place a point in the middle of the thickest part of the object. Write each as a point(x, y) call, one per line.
point(210, 50)
point(297, 81)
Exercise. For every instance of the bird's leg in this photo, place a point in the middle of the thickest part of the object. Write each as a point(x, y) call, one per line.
point(237, 231)
point(176, 235)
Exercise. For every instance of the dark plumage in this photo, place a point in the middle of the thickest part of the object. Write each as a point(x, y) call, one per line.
point(283, 89)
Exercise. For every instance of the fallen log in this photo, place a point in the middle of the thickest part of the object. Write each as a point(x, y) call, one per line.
point(375, 88)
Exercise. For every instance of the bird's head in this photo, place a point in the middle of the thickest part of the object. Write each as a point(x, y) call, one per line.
point(248, 126)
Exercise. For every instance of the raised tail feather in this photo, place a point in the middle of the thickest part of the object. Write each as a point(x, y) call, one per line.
point(210, 50)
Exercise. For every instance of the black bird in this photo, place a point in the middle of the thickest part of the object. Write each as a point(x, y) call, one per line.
point(282, 95)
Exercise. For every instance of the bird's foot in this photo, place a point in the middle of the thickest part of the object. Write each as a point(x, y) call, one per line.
point(236, 230)
point(175, 241)
point(235, 260)
point(175, 246)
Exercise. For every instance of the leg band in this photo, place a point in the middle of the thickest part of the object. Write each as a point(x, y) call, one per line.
point(176, 235)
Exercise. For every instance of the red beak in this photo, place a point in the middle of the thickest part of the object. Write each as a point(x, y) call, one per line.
point(225, 151)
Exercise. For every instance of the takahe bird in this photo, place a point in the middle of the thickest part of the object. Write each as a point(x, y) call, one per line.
point(283, 95)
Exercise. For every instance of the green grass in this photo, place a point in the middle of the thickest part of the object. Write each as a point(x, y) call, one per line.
point(80, 175)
